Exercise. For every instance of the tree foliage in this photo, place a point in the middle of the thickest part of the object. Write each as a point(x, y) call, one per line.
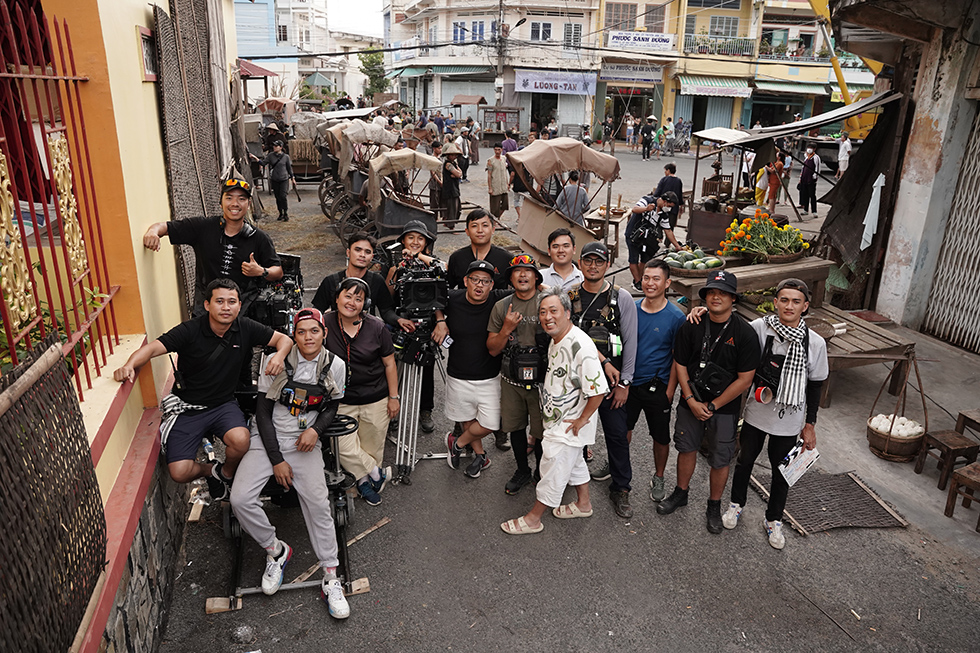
point(373, 65)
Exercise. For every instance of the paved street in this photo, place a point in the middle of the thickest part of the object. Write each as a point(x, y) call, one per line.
point(444, 577)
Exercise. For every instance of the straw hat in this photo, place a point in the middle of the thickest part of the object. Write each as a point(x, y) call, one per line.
point(273, 126)
point(450, 149)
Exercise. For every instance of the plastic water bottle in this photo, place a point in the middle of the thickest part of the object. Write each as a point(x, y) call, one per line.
point(209, 449)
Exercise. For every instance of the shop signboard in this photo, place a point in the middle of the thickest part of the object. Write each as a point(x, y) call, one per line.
point(554, 81)
point(646, 41)
point(626, 72)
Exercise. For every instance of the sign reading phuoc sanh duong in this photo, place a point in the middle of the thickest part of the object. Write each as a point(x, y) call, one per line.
point(642, 41)
point(554, 81)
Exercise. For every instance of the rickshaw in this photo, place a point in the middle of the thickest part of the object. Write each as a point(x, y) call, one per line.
point(542, 162)
point(332, 185)
point(359, 143)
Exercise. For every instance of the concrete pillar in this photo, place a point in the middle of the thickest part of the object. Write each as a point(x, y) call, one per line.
point(936, 143)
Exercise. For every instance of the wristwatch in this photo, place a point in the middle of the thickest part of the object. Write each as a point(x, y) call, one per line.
point(265, 272)
point(711, 406)
point(625, 384)
point(395, 397)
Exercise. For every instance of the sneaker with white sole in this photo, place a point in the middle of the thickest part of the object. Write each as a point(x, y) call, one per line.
point(480, 462)
point(774, 529)
point(601, 474)
point(730, 518)
point(657, 490)
point(332, 592)
point(274, 566)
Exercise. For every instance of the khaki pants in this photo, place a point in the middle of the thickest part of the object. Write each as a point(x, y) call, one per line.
point(364, 449)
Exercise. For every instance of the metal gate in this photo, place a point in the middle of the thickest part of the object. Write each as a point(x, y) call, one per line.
point(951, 313)
point(719, 112)
point(55, 277)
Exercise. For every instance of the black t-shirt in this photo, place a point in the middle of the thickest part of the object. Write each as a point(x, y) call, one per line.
point(366, 380)
point(469, 357)
point(737, 350)
point(209, 367)
point(382, 303)
point(450, 184)
point(221, 256)
point(460, 260)
point(647, 132)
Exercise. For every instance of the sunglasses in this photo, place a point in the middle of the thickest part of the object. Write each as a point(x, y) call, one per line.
point(241, 183)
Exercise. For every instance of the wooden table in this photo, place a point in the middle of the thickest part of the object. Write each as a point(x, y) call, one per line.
point(813, 271)
point(596, 222)
point(864, 343)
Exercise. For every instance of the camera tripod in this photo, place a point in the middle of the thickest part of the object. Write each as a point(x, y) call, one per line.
point(410, 389)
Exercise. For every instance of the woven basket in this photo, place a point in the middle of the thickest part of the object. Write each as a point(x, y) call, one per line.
point(757, 299)
point(682, 272)
point(893, 448)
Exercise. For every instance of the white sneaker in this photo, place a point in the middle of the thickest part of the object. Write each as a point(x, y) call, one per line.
point(332, 592)
point(774, 529)
point(730, 518)
point(272, 578)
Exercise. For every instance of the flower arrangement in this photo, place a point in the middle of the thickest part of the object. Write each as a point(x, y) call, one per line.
point(760, 237)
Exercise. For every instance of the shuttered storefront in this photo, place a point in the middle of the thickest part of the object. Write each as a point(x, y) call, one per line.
point(719, 113)
point(952, 312)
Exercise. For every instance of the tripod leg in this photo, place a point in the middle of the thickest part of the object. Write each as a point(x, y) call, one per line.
point(408, 423)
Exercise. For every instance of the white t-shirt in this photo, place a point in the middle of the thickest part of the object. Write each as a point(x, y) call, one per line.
point(765, 417)
point(291, 426)
point(748, 161)
point(574, 374)
point(844, 151)
point(669, 130)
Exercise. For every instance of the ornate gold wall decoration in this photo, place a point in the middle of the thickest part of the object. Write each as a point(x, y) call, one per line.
point(71, 231)
point(18, 292)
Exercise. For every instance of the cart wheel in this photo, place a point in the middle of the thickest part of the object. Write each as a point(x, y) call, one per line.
point(322, 191)
point(341, 203)
point(232, 529)
point(355, 220)
point(329, 190)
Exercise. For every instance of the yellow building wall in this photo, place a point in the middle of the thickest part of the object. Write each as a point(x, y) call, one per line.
point(809, 74)
point(703, 18)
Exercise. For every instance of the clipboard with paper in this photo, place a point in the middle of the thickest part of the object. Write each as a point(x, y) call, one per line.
point(797, 461)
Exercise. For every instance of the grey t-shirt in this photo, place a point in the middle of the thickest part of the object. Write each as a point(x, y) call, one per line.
point(290, 426)
point(766, 417)
point(525, 331)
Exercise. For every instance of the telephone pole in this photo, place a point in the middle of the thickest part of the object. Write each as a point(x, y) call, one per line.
point(498, 82)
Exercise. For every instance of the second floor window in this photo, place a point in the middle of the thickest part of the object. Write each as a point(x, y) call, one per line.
point(573, 36)
point(716, 4)
point(540, 31)
point(459, 32)
point(282, 33)
point(620, 16)
point(476, 30)
point(726, 26)
point(654, 18)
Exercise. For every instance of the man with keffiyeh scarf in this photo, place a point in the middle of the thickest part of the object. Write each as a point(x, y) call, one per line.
point(797, 357)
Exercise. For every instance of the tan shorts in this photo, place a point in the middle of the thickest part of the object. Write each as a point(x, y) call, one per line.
point(520, 407)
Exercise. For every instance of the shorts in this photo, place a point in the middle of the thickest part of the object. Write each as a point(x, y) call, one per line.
point(517, 197)
point(520, 407)
point(498, 204)
point(650, 398)
point(843, 163)
point(634, 250)
point(190, 427)
point(718, 430)
point(468, 400)
point(561, 465)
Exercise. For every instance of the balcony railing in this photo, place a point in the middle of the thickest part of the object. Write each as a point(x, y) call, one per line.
point(734, 46)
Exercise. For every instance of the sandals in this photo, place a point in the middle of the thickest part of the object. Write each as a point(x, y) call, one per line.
point(519, 527)
point(569, 511)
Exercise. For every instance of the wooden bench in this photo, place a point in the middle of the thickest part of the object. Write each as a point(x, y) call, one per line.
point(968, 418)
point(968, 479)
point(951, 445)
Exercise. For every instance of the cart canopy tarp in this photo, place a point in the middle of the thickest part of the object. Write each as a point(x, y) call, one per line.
point(359, 132)
point(349, 113)
point(273, 104)
point(541, 159)
point(391, 162)
point(460, 100)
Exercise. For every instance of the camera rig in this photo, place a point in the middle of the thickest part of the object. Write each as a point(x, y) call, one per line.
point(278, 301)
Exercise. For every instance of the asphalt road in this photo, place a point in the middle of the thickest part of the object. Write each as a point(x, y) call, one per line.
point(444, 577)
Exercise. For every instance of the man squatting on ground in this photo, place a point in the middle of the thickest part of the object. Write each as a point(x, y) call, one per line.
point(516, 334)
point(285, 443)
point(654, 378)
point(571, 392)
point(607, 314)
point(472, 388)
point(225, 247)
point(212, 350)
point(714, 362)
point(794, 367)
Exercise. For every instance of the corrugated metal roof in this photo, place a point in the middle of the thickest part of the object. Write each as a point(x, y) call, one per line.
point(460, 70)
point(249, 69)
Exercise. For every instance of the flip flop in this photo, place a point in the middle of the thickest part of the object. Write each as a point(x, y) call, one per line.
point(519, 527)
point(569, 511)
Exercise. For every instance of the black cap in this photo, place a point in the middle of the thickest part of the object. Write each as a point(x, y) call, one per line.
point(721, 280)
point(523, 261)
point(795, 284)
point(417, 227)
point(670, 197)
point(595, 248)
point(481, 266)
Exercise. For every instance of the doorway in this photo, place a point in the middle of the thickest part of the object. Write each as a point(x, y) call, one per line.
point(544, 107)
point(699, 112)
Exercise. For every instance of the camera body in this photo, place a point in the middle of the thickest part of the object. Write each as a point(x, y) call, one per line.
point(278, 301)
point(420, 291)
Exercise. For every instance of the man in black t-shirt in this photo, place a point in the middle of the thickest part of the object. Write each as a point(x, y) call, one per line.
point(715, 362)
point(226, 247)
point(672, 183)
point(479, 227)
point(360, 256)
point(211, 350)
point(472, 389)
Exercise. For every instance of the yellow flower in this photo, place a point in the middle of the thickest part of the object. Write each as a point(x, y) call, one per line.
point(806, 245)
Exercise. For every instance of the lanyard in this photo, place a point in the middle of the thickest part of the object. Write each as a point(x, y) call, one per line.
point(594, 297)
point(705, 351)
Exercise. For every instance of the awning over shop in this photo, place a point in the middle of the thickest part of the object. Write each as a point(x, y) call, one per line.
point(392, 74)
point(793, 88)
point(715, 86)
point(460, 70)
point(460, 100)
point(249, 69)
point(410, 71)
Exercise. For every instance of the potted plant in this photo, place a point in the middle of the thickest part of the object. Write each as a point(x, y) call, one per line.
point(780, 49)
point(760, 239)
point(765, 47)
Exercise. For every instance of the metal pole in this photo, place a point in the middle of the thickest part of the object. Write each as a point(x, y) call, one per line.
point(608, 211)
point(694, 183)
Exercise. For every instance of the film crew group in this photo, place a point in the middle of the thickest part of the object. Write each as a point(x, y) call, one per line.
point(211, 350)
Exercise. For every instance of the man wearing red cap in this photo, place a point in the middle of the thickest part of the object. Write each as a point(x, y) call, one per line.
point(294, 409)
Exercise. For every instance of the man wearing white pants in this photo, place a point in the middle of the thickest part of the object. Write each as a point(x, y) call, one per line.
point(286, 444)
point(573, 388)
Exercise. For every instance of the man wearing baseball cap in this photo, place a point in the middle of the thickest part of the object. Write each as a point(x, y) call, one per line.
point(643, 246)
point(225, 246)
point(294, 409)
point(715, 361)
point(516, 333)
point(472, 388)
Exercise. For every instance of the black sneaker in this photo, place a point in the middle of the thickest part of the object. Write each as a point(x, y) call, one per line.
point(517, 481)
point(480, 462)
point(425, 421)
point(676, 499)
point(454, 452)
point(638, 285)
point(714, 517)
point(218, 486)
point(501, 440)
point(621, 503)
point(601, 474)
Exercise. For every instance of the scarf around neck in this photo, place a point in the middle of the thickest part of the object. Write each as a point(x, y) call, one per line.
point(792, 379)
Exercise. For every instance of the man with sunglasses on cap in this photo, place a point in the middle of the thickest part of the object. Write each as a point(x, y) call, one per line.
point(714, 361)
point(516, 334)
point(294, 409)
point(783, 402)
point(225, 247)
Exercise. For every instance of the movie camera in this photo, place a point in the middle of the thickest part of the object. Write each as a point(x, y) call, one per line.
point(278, 301)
